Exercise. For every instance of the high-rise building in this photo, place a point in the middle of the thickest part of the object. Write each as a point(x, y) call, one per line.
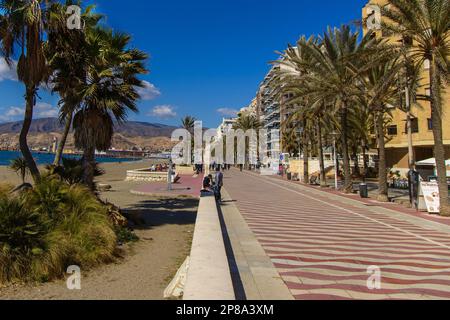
point(273, 110)
point(423, 142)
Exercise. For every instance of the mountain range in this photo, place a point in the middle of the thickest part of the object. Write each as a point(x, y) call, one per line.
point(130, 135)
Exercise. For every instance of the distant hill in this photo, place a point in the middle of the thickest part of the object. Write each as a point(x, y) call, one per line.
point(128, 129)
point(150, 136)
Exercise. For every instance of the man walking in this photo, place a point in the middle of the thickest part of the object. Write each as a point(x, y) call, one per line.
point(219, 184)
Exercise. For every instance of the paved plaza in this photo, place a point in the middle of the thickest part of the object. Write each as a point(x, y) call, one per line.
point(318, 245)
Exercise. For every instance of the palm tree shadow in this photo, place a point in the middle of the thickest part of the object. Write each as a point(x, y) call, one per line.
point(149, 214)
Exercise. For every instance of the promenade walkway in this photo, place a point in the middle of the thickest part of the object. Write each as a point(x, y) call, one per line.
point(321, 245)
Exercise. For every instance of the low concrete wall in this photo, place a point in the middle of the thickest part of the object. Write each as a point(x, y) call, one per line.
point(146, 176)
point(209, 276)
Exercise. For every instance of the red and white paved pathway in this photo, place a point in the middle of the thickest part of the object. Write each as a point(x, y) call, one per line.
point(322, 244)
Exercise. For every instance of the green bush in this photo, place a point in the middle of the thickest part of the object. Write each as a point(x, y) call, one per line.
point(52, 226)
point(71, 171)
point(22, 238)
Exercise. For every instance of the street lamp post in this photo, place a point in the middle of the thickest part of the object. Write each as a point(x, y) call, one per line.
point(336, 161)
point(169, 176)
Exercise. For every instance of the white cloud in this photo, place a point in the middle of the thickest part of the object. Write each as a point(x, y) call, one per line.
point(45, 110)
point(163, 112)
point(7, 72)
point(228, 112)
point(41, 110)
point(149, 91)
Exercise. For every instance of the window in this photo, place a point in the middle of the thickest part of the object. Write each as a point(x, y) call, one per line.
point(414, 126)
point(430, 124)
point(392, 130)
point(428, 92)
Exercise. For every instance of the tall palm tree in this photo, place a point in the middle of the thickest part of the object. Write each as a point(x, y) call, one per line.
point(379, 91)
point(290, 78)
point(333, 70)
point(427, 23)
point(108, 93)
point(246, 122)
point(23, 24)
point(188, 123)
point(67, 54)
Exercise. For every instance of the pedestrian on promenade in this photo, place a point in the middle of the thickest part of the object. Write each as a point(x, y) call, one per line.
point(218, 184)
point(207, 183)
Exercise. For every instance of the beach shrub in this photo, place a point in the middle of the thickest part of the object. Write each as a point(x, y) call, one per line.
point(22, 238)
point(71, 170)
point(45, 229)
point(20, 167)
point(125, 235)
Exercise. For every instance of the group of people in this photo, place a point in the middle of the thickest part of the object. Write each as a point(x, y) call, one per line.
point(159, 167)
point(200, 168)
point(215, 166)
point(214, 184)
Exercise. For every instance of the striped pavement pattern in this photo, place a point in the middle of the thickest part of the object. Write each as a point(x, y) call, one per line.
point(323, 247)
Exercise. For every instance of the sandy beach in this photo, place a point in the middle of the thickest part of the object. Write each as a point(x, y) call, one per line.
point(146, 266)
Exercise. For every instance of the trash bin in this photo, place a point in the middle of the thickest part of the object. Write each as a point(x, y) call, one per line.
point(289, 176)
point(363, 191)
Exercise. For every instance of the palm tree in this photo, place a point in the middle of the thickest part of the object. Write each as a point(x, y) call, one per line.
point(290, 139)
point(23, 25)
point(290, 78)
point(333, 69)
point(246, 122)
point(378, 92)
point(426, 23)
point(20, 167)
point(67, 53)
point(188, 123)
point(108, 92)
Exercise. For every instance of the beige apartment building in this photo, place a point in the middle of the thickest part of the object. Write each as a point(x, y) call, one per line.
point(423, 142)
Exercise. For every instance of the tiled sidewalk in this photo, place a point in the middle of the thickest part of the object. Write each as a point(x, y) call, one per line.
point(322, 244)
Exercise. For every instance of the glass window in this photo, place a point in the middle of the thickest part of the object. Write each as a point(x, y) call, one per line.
point(392, 130)
point(414, 126)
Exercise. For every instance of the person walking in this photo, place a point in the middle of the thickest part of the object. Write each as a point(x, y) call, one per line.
point(219, 184)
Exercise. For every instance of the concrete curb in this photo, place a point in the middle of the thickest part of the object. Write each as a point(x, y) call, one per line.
point(209, 276)
point(259, 277)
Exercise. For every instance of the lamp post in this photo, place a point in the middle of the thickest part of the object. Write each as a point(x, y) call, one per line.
point(169, 176)
point(336, 160)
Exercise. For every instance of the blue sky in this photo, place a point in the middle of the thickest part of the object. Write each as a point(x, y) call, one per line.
point(206, 56)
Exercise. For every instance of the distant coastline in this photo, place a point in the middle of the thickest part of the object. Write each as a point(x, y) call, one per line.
point(43, 158)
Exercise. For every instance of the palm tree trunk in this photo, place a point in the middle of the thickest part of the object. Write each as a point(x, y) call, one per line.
point(382, 169)
point(88, 167)
point(439, 150)
point(323, 176)
point(348, 184)
point(62, 144)
point(411, 155)
point(23, 142)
